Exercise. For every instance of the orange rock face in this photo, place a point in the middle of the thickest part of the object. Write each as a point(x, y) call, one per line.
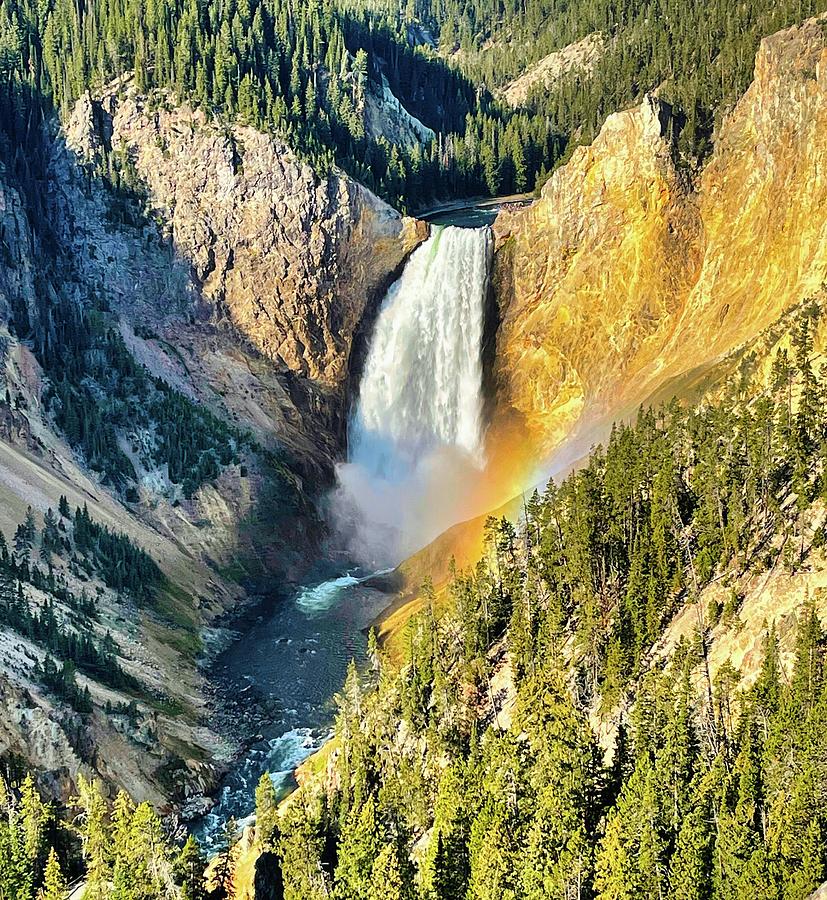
point(625, 276)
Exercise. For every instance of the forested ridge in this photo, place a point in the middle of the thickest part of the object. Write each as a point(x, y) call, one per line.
point(301, 70)
point(698, 56)
point(305, 71)
point(711, 790)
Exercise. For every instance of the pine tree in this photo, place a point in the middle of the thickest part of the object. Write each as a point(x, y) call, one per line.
point(16, 876)
point(631, 860)
point(189, 869)
point(54, 884)
point(121, 824)
point(224, 870)
point(444, 870)
point(689, 872)
point(34, 818)
point(357, 853)
point(808, 670)
point(266, 812)
point(95, 839)
point(737, 838)
point(557, 859)
point(386, 880)
point(492, 856)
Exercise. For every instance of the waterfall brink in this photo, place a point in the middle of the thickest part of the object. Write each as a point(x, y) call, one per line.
point(416, 437)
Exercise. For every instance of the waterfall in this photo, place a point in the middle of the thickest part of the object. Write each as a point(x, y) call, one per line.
point(416, 436)
point(422, 383)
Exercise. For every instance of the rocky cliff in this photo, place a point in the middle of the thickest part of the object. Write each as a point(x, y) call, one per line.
point(242, 280)
point(627, 275)
point(289, 259)
point(633, 275)
point(16, 271)
point(240, 277)
point(581, 56)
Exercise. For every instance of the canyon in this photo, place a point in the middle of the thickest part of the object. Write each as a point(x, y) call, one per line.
point(631, 276)
point(241, 279)
point(251, 284)
point(627, 274)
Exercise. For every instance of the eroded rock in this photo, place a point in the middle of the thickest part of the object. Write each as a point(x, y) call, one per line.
point(625, 277)
point(290, 259)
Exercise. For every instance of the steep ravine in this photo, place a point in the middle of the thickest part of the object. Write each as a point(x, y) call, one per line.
point(285, 263)
point(631, 280)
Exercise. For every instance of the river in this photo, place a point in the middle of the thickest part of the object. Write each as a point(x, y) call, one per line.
point(292, 660)
point(472, 215)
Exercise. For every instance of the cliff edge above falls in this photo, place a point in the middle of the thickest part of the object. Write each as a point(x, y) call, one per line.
point(626, 275)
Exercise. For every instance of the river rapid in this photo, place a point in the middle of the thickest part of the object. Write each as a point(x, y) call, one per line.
point(290, 662)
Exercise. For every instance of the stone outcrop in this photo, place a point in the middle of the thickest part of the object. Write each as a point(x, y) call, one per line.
point(386, 118)
point(16, 272)
point(32, 729)
point(624, 277)
point(290, 259)
point(581, 56)
point(594, 272)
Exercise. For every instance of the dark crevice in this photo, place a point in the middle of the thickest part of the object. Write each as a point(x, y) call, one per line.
point(490, 329)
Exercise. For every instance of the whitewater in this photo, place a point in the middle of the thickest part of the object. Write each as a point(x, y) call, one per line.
point(416, 441)
point(416, 437)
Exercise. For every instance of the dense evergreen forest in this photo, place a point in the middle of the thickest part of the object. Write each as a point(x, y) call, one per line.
point(126, 850)
point(306, 70)
point(699, 56)
point(89, 550)
point(711, 791)
point(303, 70)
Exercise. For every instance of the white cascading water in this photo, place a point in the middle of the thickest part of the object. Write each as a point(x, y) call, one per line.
point(416, 437)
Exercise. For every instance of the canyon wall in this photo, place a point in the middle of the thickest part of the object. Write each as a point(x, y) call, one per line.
point(633, 276)
point(240, 278)
point(626, 275)
point(287, 262)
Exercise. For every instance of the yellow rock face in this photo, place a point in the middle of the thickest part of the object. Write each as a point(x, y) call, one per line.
point(624, 276)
